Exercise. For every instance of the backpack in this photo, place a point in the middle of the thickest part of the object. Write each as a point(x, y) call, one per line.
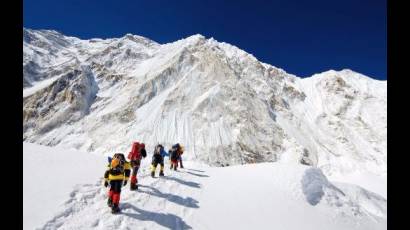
point(179, 148)
point(158, 149)
point(135, 151)
point(157, 157)
point(116, 164)
point(173, 154)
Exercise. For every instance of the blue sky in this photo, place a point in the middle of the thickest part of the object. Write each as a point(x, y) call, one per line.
point(302, 37)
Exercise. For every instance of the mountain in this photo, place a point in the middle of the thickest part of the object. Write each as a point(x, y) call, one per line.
point(221, 103)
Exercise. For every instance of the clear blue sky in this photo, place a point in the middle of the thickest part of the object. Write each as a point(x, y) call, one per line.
point(302, 37)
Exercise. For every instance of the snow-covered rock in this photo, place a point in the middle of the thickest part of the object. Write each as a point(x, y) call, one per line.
point(224, 105)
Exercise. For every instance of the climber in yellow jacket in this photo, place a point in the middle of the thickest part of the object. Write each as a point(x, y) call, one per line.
point(116, 176)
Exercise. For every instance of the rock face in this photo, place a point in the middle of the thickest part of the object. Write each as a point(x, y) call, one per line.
point(223, 104)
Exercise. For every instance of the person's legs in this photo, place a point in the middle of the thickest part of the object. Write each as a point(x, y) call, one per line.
point(161, 172)
point(116, 187)
point(175, 164)
point(134, 180)
point(153, 168)
point(110, 196)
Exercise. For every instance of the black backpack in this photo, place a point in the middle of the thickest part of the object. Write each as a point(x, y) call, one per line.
point(173, 154)
point(119, 169)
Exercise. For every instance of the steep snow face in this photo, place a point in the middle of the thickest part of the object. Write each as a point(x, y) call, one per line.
point(224, 105)
point(344, 121)
point(66, 100)
point(45, 54)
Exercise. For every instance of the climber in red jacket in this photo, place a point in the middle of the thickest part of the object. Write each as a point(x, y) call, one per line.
point(135, 156)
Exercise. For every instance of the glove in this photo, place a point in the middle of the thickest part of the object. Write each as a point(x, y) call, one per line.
point(106, 183)
point(125, 182)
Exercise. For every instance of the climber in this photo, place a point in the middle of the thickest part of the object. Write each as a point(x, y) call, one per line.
point(116, 176)
point(135, 156)
point(158, 158)
point(175, 155)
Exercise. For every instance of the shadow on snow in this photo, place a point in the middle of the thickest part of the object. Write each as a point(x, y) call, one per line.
point(187, 183)
point(187, 202)
point(196, 174)
point(167, 220)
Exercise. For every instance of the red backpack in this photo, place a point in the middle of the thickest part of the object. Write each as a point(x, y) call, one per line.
point(135, 151)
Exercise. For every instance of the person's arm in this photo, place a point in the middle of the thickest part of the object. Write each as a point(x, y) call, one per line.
point(106, 174)
point(127, 170)
point(164, 153)
point(143, 153)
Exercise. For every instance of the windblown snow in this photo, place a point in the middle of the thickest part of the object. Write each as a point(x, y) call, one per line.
point(328, 131)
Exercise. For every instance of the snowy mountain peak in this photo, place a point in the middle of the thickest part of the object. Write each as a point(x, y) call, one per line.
point(346, 73)
point(139, 39)
point(223, 104)
point(195, 37)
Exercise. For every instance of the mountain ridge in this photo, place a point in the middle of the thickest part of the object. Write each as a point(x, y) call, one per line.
point(226, 106)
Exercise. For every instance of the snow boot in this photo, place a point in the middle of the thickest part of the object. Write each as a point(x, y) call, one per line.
point(152, 174)
point(161, 173)
point(134, 180)
point(115, 209)
point(133, 186)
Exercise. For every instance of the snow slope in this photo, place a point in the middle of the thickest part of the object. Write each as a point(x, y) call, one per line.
point(49, 177)
point(265, 196)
